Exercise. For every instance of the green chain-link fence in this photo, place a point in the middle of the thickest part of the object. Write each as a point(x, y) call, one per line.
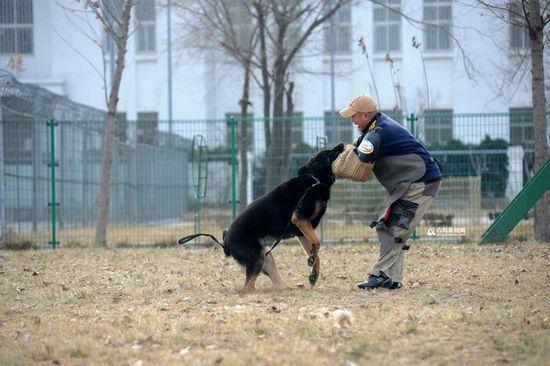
point(165, 186)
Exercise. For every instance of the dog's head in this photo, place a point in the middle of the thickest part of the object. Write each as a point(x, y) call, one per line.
point(320, 165)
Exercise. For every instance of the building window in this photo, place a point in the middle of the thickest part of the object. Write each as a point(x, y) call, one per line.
point(297, 128)
point(147, 127)
point(437, 35)
point(16, 26)
point(519, 37)
point(146, 36)
point(242, 24)
point(438, 126)
point(121, 126)
point(338, 129)
point(396, 115)
point(19, 135)
point(337, 33)
point(521, 126)
point(387, 26)
point(519, 34)
point(249, 129)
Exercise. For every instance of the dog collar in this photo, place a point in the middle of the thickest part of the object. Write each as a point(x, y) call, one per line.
point(317, 181)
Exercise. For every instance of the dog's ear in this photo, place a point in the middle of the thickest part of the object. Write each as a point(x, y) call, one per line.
point(338, 148)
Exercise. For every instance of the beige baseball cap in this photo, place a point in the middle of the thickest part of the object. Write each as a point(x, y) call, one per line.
point(362, 103)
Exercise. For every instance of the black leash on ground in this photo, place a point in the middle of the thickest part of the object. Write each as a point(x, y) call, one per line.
point(185, 239)
point(317, 183)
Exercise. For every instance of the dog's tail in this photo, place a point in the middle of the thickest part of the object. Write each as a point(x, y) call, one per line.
point(187, 238)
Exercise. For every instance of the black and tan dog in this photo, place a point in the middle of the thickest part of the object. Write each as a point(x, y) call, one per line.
point(293, 208)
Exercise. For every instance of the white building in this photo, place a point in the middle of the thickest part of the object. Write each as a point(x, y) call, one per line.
point(53, 49)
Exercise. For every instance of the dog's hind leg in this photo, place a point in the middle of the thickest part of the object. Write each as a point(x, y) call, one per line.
point(307, 229)
point(307, 249)
point(252, 272)
point(250, 283)
point(270, 269)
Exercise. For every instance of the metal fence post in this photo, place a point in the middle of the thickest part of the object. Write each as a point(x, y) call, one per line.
point(233, 162)
point(200, 176)
point(322, 144)
point(53, 164)
point(34, 195)
point(3, 195)
point(412, 119)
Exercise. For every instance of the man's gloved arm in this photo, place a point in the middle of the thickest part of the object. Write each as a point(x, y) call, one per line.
point(369, 148)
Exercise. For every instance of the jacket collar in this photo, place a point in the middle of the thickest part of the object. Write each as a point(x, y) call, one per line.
point(371, 122)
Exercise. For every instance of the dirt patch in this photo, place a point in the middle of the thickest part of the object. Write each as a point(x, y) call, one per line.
point(461, 303)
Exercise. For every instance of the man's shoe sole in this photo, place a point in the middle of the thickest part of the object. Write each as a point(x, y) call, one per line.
point(391, 286)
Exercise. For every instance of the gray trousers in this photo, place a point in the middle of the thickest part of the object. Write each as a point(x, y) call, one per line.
point(397, 225)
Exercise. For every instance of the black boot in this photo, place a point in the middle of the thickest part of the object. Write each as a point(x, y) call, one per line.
point(378, 281)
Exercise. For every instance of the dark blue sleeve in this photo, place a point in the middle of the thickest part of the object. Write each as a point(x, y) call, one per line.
point(369, 148)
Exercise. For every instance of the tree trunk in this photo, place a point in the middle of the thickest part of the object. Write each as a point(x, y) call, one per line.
point(243, 137)
point(536, 35)
point(107, 157)
point(287, 142)
point(266, 87)
point(275, 159)
point(2, 188)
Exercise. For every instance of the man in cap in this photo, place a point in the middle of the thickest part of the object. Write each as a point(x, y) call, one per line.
point(409, 174)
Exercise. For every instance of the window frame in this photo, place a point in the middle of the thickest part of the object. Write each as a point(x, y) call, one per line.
point(250, 129)
point(385, 25)
point(433, 26)
point(436, 115)
point(343, 126)
point(121, 126)
point(297, 128)
point(145, 119)
point(517, 32)
point(524, 122)
point(19, 136)
point(241, 21)
point(15, 26)
point(393, 114)
point(147, 29)
point(342, 29)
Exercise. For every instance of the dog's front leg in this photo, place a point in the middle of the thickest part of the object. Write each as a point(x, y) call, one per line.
point(307, 249)
point(309, 233)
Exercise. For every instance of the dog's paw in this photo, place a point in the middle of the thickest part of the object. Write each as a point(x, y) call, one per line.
point(311, 260)
point(313, 278)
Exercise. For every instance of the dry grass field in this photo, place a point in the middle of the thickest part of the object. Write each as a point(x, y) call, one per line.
point(460, 304)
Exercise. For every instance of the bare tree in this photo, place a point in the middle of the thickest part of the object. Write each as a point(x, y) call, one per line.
point(260, 12)
point(534, 16)
point(117, 24)
point(226, 27)
point(290, 25)
point(114, 18)
point(280, 30)
point(243, 135)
